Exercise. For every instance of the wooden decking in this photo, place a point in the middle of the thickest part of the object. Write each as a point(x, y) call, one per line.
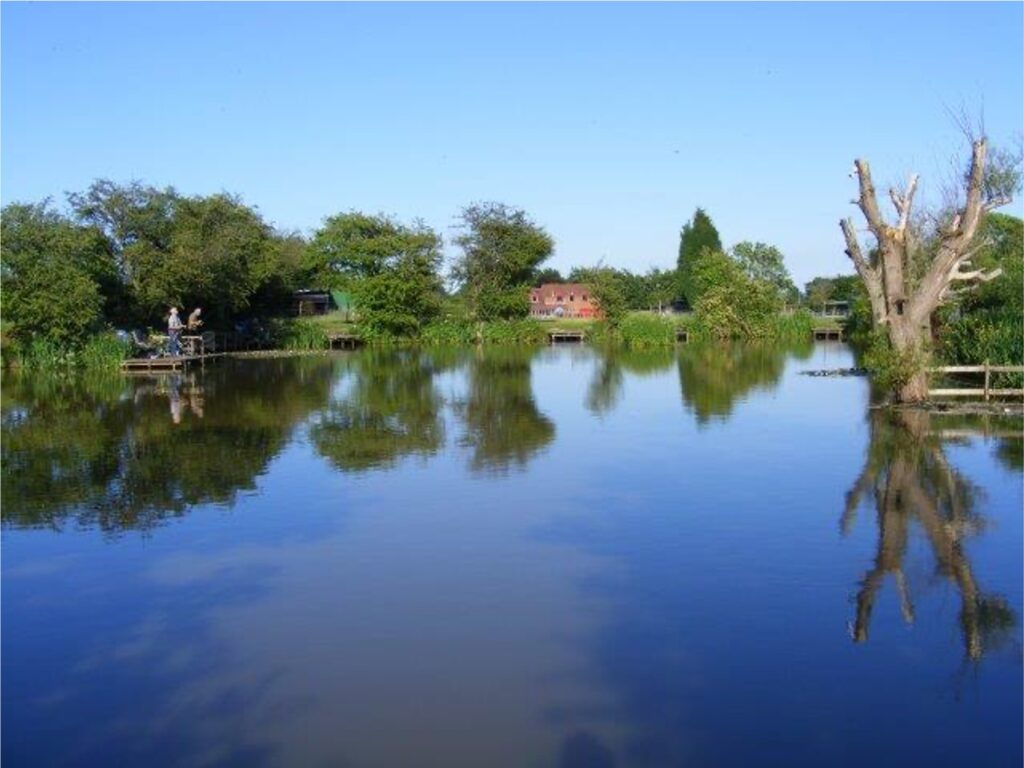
point(829, 333)
point(344, 341)
point(559, 336)
point(165, 363)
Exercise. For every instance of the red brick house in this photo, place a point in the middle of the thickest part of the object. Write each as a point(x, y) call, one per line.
point(562, 300)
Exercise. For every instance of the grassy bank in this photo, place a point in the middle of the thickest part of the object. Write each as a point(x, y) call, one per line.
point(637, 330)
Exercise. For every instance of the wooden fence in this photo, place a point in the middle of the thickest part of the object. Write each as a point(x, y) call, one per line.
point(987, 391)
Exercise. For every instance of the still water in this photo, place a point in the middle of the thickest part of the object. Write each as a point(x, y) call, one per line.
point(507, 558)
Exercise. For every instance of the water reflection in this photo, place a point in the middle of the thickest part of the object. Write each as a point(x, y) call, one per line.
point(503, 425)
point(714, 377)
point(392, 410)
point(907, 478)
point(605, 388)
point(125, 453)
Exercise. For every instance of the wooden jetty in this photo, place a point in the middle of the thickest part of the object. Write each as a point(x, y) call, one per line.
point(163, 363)
point(830, 333)
point(559, 336)
point(344, 341)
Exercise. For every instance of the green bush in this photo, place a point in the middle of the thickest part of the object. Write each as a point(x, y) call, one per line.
point(643, 331)
point(891, 369)
point(448, 331)
point(520, 331)
point(996, 337)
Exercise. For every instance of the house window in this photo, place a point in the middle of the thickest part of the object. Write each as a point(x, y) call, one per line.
point(533, 297)
point(558, 298)
point(572, 297)
point(584, 297)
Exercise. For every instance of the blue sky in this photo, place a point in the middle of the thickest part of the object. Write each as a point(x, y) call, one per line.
point(608, 123)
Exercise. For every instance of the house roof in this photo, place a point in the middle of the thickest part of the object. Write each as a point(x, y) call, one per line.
point(548, 289)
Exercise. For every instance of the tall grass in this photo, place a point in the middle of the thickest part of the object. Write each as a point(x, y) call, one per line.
point(448, 331)
point(644, 331)
point(298, 335)
point(104, 351)
point(795, 326)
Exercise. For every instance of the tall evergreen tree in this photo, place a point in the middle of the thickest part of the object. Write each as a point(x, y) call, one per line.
point(697, 235)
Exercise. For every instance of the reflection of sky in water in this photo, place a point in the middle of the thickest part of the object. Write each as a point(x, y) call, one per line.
point(643, 589)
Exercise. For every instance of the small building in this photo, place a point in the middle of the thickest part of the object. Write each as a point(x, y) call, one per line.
point(310, 301)
point(835, 309)
point(553, 300)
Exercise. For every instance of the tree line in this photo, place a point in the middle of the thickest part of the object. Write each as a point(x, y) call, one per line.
point(119, 255)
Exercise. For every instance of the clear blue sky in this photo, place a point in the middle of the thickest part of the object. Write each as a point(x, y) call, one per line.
point(608, 123)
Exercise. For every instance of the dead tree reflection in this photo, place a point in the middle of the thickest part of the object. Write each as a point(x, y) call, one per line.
point(909, 479)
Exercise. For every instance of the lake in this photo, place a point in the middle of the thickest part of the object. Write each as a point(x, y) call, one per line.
point(502, 557)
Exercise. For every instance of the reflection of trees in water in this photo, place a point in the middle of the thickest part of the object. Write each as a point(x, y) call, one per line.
point(122, 454)
point(605, 387)
point(713, 377)
point(907, 478)
point(392, 410)
point(503, 424)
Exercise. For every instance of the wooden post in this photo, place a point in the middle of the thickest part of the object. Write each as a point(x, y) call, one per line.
point(987, 376)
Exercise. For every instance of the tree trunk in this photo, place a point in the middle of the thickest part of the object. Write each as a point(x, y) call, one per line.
point(899, 305)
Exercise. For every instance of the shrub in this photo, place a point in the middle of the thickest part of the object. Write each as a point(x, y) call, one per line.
point(298, 335)
point(641, 331)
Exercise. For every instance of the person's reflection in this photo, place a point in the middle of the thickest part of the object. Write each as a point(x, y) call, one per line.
point(909, 479)
point(174, 396)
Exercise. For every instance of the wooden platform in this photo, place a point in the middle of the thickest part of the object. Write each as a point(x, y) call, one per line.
point(167, 363)
point(344, 341)
point(558, 336)
point(827, 334)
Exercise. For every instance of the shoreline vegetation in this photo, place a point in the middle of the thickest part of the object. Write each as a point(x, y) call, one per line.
point(78, 284)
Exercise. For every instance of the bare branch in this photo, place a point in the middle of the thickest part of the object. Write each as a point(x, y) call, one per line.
point(997, 202)
point(908, 202)
point(977, 274)
point(868, 201)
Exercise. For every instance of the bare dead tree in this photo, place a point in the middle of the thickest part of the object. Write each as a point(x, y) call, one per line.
point(903, 302)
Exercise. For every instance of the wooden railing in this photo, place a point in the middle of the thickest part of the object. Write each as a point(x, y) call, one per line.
point(987, 391)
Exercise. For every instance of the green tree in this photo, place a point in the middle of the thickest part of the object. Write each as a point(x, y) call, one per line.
point(763, 262)
point(607, 292)
point(662, 286)
point(132, 216)
point(353, 246)
point(212, 258)
point(547, 275)
point(408, 294)
point(51, 271)
point(501, 251)
point(730, 304)
point(392, 269)
point(988, 322)
point(697, 237)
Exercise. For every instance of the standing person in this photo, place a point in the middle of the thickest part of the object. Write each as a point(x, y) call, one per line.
point(193, 320)
point(174, 327)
